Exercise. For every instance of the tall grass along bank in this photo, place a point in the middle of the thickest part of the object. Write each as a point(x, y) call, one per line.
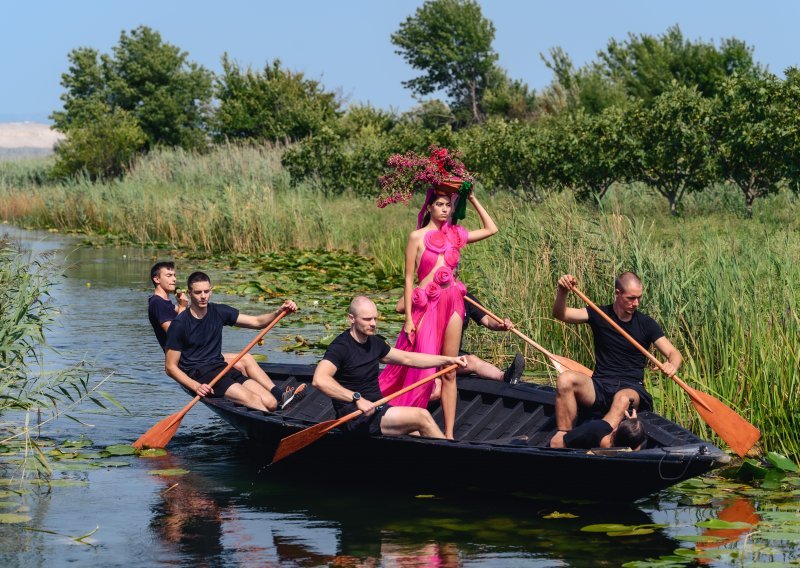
point(723, 287)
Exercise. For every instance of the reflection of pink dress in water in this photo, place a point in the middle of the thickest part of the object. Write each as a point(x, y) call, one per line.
point(431, 309)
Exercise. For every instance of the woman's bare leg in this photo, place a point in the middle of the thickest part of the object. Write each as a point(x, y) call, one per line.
point(452, 340)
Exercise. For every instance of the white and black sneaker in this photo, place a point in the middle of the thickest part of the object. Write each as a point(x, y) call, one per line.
point(514, 371)
point(292, 395)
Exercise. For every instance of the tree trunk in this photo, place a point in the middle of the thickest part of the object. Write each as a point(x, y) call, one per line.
point(473, 92)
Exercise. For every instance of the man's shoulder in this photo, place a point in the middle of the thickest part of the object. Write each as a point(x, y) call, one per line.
point(155, 301)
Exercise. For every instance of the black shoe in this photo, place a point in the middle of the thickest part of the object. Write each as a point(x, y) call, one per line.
point(514, 371)
point(292, 395)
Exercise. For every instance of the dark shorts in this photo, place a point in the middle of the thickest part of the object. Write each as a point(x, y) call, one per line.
point(367, 425)
point(206, 375)
point(605, 389)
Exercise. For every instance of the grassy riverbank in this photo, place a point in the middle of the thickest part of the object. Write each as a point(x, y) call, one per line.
point(724, 287)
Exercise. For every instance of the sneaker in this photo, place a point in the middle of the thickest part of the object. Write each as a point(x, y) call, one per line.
point(514, 371)
point(292, 395)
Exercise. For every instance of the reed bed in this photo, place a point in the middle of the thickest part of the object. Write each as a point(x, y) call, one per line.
point(723, 287)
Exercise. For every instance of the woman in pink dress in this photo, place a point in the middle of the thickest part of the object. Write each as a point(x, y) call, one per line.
point(434, 307)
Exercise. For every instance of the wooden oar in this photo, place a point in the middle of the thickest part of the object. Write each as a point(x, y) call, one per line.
point(737, 432)
point(159, 435)
point(303, 438)
point(561, 364)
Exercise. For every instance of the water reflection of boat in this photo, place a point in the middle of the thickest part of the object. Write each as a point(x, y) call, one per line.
point(502, 435)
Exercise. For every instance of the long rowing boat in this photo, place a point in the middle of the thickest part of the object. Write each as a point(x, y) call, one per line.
point(502, 434)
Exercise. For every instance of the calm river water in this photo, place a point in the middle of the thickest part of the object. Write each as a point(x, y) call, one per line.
point(226, 511)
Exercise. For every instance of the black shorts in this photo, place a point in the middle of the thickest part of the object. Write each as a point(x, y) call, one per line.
point(367, 425)
point(206, 375)
point(605, 389)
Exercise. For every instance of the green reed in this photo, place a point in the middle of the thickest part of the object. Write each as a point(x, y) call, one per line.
point(723, 287)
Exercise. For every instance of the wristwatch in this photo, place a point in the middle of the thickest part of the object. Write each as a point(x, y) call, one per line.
point(356, 396)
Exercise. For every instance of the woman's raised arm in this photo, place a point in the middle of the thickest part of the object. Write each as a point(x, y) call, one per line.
point(488, 227)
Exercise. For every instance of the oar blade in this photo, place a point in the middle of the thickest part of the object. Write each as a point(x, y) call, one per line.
point(563, 364)
point(303, 438)
point(737, 432)
point(159, 435)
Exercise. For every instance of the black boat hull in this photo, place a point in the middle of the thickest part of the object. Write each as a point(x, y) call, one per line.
point(502, 432)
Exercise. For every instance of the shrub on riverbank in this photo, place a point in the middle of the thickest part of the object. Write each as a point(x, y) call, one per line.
point(723, 286)
point(30, 396)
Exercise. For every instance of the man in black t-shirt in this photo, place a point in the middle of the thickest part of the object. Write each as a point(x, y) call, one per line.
point(348, 373)
point(161, 311)
point(627, 431)
point(619, 366)
point(194, 350)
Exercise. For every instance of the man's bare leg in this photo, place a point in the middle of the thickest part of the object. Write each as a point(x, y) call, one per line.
point(400, 420)
point(242, 395)
point(572, 388)
point(250, 368)
point(620, 404)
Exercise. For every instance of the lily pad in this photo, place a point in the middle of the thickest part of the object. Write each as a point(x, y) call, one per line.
point(720, 524)
point(168, 472)
point(787, 536)
point(153, 453)
point(8, 504)
point(782, 462)
point(424, 496)
point(108, 463)
point(557, 515)
point(609, 527)
point(80, 443)
point(120, 450)
point(260, 357)
point(13, 518)
point(699, 538)
point(633, 532)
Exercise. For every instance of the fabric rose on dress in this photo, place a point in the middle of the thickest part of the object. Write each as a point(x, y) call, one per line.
point(451, 257)
point(443, 276)
point(433, 290)
point(435, 241)
point(419, 299)
point(461, 288)
point(457, 236)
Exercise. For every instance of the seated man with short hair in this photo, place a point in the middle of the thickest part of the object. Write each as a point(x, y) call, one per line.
point(629, 432)
point(348, 373)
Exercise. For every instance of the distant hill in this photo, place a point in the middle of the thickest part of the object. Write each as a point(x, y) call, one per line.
point(27, 139)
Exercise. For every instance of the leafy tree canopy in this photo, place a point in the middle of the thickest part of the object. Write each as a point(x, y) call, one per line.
point(151, 80)
point(276, 104)
point(451, 42)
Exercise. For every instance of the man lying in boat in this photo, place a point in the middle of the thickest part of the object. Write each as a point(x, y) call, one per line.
point(194, 350)
point(610, 432)
point(348, 373)
point(475, 365)
point(161, 312)
point(619, 367)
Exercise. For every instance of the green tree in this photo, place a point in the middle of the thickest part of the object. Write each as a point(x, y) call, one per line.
point(590, 152)
point(751, 135)
point(151, 80)
point(101, 146)
point(587, 88)
point(451, 42)
point(646, 66)
point(672, 148)
point(790, 119)
point(275, 104)
point(508, 98)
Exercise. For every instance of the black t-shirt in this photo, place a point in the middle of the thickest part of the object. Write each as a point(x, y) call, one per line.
point(588, 434)
point(159, 311)
point(615, 357)
point(200, 340)
point(357, 366)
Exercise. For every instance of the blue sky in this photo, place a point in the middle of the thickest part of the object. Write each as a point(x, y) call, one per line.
point(345, 43)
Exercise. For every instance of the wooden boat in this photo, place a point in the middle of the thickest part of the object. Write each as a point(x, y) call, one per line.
point(502, 436)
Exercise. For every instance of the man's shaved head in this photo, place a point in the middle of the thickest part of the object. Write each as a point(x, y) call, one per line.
point(359, 303)
point(626, 279)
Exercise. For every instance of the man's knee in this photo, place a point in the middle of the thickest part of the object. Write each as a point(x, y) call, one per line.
point(568, 381)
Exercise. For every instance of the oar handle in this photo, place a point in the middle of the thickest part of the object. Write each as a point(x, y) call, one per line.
point(638, 346)
point(236, 359)
point(394, 395)
point(515, 330)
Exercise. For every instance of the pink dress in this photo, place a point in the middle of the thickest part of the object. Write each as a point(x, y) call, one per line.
point(432, 306)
